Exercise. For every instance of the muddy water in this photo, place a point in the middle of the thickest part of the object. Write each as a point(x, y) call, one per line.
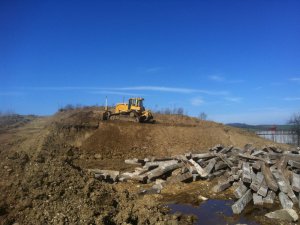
point(213, 211)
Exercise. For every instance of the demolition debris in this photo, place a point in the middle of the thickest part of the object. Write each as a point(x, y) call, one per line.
point(257, 175)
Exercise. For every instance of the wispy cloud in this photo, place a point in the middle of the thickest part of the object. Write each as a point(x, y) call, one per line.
point(197, 101)
point(180, 90)
point(297, 79)
point(292, 99)
point(175, 90)
point(233, 99)
point(115, 93)
point(224, 80)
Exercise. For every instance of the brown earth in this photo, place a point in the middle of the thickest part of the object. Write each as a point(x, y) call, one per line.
point(43, 164)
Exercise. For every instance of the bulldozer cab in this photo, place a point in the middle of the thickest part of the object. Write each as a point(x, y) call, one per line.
point(135, 104)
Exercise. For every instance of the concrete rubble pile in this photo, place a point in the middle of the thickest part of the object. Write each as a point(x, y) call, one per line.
point(257, 175)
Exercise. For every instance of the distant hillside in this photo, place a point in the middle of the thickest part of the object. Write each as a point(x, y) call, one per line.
point(259, 127)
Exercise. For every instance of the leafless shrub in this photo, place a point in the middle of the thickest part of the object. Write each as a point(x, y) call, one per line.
point(202, 116)
point(295, 123)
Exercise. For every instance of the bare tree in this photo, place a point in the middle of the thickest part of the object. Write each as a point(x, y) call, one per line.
point(295, 123)
point(167, 111)
point(202, 116)
point(180, 111)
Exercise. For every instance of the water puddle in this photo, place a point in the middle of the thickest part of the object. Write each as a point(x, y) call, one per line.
point(212, 211)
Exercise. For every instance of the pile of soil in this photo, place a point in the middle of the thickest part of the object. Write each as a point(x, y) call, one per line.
point(43, 166)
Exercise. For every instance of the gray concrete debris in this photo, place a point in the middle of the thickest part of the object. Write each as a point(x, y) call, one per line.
point(246, 177)
point(239, 206)
point(257, 199)
point(286, 203)
point(269, 199)
point(284, 214)
point(106, 175)
point(240, 190)
point(296, 182)
point(258, 174)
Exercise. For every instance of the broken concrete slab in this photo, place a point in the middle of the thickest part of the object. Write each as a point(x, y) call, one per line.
point(239, 206)
point(256, 165)
point(198, 168)
point(256, 182)
point(109, 175)
point(294, 164)
point(240, 190)
point(280, 181)
point(263, 190)
point(269, 199)
point(246, 176)
point(152, 174)
point(221, 187)
point(134, 161)
point(210, 166)
point(179, 178)
point(270, 180)
point(257, 199)
point(284, 214)
point(151, 165)
point(220, 165)
point(286, 203)
point(203, 156)
point(296, 182)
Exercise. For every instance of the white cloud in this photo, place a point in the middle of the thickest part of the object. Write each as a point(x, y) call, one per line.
point(159, 88)
point(197, 101)
point(224, 80)
point(174, 89)
point(115, 93)
point(233, 99)
point(133, 88)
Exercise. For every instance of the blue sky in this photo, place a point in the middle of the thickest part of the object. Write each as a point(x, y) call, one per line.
point(237, 61)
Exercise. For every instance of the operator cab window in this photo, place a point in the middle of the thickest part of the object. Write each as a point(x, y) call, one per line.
point(140, 104)
point(130, 103)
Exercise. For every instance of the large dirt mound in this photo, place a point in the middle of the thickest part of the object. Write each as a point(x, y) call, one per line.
point(171, 135)
point(43, 164)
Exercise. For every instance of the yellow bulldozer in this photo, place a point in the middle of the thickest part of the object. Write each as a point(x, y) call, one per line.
point(134, 110)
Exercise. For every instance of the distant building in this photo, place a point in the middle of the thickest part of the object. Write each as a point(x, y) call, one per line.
point(278, 136)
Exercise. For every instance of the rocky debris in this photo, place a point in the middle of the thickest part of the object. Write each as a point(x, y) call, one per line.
point(202, 198)
point(106, 175)
point(239, 206)
point(257, 174)
point(284, 214)
point(98, 156)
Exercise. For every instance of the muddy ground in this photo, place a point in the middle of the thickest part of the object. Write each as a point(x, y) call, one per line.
point(43, 163)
